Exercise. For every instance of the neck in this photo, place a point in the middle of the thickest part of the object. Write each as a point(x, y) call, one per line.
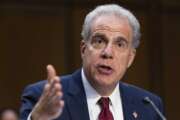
point(104, 91)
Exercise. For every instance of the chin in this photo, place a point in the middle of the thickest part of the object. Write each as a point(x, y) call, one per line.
point(104, 80)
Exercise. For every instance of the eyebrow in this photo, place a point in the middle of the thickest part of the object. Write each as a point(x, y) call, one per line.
point(100, 35)
point(119, 38)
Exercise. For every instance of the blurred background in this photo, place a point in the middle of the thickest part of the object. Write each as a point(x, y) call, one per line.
point(34, 33)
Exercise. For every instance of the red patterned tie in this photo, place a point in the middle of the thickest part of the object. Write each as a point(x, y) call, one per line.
point(105, 113)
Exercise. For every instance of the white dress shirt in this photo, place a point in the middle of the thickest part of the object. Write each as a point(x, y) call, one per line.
point(93, 97)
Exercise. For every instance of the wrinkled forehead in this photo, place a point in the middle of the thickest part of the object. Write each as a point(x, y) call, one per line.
point(112, 21)
point(113, 24)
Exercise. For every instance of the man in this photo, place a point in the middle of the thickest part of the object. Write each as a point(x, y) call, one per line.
point(110, 37)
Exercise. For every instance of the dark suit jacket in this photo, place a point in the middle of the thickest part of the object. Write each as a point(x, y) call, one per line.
point(76, 105)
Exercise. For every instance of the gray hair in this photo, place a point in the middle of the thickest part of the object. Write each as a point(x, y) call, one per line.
point(112, 9)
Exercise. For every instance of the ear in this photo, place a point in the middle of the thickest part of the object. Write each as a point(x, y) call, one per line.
point(82, 48)
point(131, 57)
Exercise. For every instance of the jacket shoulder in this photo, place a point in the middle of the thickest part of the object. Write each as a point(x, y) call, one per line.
point(32, 93)
point(139, 93)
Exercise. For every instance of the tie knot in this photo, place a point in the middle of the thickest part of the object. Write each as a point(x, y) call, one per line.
point(104, 102)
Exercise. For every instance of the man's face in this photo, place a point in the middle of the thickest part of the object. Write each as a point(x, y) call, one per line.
point(108, 52)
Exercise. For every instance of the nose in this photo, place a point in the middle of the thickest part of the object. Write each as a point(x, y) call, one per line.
point(107, 52)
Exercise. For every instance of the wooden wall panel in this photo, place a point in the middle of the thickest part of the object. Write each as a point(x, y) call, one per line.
point(28, 43)
point(171, 64)
point(78, 19)
point(171, 2)
point(134, 74)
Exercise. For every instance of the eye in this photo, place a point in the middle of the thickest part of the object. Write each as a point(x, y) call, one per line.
point(98, 41)
point(122, 44)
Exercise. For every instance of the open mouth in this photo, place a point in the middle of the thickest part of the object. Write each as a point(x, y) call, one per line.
point(105, 69)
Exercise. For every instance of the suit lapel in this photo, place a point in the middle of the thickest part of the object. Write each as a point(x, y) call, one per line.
point(130, 108)
point(77, 104)
point(76, 98)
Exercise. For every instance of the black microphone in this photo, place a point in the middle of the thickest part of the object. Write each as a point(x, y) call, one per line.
point(149, 101)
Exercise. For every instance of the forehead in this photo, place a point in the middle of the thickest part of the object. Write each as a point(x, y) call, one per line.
point(112, 24)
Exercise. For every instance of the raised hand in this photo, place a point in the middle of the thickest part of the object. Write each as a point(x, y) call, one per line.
point(50, 104)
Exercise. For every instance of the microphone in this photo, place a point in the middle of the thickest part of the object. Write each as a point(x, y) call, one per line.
point(149, 101)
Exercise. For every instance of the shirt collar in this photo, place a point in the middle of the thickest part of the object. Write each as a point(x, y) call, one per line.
point(91, 94)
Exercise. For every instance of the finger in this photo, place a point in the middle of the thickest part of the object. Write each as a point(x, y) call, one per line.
point(50, 89)
point(51, 73)
point(56, 98)
point(61, 103)
point(53, 83)
point(46, 89)
point(55, 90)
point(44, 97)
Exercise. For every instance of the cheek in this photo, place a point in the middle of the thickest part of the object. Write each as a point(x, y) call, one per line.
point(121, 62)
point(92, 54)
point(90, 57)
